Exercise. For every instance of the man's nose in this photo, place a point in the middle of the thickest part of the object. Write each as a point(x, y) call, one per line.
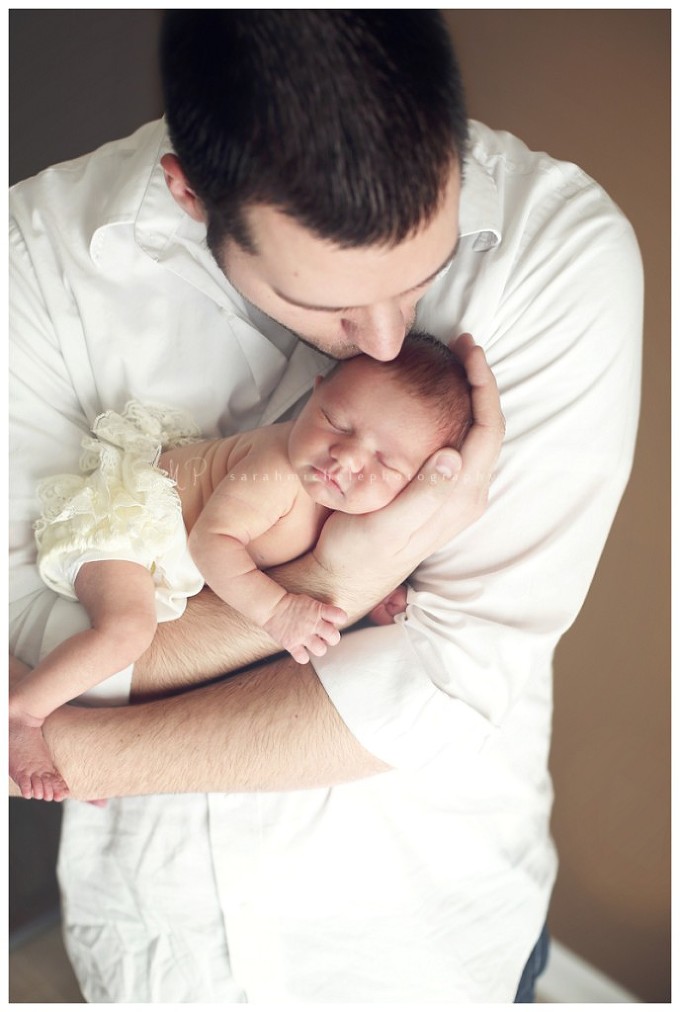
point(378, 330)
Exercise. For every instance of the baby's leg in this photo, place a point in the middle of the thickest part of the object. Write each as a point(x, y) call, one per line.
point(119, 599)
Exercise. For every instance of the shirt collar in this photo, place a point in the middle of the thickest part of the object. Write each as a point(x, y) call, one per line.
point(137, 173)
point(168, 236)
point(480, 211)
point(141, 194)
point(162, 230)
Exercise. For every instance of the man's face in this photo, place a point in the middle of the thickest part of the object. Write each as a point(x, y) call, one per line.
point(342, 301)
point(360, 438)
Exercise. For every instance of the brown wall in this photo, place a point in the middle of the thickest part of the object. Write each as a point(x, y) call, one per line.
point(76, 80)
point(591, 86)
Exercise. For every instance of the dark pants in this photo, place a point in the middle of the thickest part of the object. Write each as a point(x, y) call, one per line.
point(534, 968)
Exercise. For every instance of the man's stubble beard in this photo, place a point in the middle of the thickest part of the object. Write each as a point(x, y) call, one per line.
point(337, 352)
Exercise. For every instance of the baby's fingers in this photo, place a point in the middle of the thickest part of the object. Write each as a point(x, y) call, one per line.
point(336, 616)
point(328, 634)
point(314, 645)
point(299, 654)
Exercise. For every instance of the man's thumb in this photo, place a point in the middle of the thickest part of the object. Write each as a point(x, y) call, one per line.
point(447, 463)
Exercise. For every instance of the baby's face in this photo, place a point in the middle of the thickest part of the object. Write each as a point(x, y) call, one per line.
point(360, 439)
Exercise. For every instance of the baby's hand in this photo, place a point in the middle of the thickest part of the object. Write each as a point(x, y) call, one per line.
point(391, 606)
point(304, 626)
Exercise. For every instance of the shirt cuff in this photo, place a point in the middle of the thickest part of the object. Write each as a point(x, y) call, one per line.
point(379, 687)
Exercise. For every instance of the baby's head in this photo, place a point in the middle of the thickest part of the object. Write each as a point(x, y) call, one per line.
point(369, 426)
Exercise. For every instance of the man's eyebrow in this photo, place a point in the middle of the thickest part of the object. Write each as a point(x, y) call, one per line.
point(336, 309)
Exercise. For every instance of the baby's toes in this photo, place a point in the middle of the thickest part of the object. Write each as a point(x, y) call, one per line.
point(37, 787)
point(24, 783)
point(48, 786)
point(61, 790)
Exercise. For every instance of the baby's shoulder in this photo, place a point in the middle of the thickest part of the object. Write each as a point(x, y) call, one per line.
point(259, 466)
point(261, 449)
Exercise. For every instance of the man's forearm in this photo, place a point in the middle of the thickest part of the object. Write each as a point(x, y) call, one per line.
point(268, 730)
point(209, 640)
point(273, 728)
point(212, 639)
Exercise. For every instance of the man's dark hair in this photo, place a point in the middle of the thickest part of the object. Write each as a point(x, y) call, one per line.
point(346, 120)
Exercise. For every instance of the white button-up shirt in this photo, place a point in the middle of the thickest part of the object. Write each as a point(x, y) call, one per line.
point(430, 882)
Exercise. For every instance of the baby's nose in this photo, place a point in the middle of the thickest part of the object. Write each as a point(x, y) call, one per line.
point(349, 455)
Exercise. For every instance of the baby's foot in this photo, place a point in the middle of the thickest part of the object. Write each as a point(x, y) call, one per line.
point(30, 764)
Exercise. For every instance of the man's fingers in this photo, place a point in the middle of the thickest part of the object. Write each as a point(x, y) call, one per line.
point(445, 464)
point(461, 343)
point(486, 403)
point(431, 492)
point(483, 442)
point(428, 490)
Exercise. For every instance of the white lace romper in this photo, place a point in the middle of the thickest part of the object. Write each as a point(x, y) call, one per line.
point(121, 506)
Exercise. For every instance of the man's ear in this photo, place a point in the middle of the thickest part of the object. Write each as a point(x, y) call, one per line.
point(179, 187)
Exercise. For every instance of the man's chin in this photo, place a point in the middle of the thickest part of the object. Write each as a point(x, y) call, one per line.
point(339, 352)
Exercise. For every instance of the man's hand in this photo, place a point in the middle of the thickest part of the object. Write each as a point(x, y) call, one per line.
point(448, 494)
point(394, 604)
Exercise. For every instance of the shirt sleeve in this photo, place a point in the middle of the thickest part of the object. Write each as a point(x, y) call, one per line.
point(484, 615)
point(46, 425)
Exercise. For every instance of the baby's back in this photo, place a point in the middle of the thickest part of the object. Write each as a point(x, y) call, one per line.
point(198, 468)
point(259, 471)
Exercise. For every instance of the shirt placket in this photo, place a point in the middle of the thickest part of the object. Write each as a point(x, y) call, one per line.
point(235, 830)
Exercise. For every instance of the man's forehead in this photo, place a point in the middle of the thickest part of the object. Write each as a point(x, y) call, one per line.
point(336, 309)
point(309, 272)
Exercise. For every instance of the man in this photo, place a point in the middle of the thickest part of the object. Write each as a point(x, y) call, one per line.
point(377, 830)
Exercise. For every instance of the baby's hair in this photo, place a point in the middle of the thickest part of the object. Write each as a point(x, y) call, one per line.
point(427, 368)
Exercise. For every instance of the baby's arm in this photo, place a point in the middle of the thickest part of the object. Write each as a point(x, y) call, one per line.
point(233, 517)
